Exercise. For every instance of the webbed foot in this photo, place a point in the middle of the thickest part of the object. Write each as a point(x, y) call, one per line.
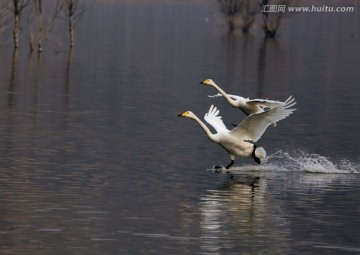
point(218, 169)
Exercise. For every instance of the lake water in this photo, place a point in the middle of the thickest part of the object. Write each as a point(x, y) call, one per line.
point(94, 160)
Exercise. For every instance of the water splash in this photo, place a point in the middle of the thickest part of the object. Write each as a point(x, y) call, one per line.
point(311, 162)
point(300, 160)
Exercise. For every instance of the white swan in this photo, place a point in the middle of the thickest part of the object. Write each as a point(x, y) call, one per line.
point(240, 141)
point(248, 106)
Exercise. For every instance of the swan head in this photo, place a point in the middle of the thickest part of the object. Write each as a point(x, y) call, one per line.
point(209, 82)
point(187, 114)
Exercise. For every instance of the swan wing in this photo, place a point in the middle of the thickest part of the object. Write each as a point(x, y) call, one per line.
point(266, 103)
point(254, 126)
point(234, 97)
point(213, 119)
point(216, 95)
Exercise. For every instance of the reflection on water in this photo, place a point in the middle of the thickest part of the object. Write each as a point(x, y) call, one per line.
point(93, 159)
point(242, 209)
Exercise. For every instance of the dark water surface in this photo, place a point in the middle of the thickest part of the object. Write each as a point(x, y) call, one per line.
point(93, 159)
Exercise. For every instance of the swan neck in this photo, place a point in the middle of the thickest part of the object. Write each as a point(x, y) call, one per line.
point(205, 128)
point(226, 96)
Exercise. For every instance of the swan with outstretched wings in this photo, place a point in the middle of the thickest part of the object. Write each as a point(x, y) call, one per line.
point(240, 141)
point(248, 106)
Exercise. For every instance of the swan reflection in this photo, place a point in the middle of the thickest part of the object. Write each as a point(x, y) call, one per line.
point(241, 210)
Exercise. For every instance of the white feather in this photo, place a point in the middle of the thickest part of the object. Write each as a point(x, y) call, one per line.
point(254, 126)
point(214, 120)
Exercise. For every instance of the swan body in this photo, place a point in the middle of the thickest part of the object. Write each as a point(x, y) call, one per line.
point(240, 141)
point(248, 106)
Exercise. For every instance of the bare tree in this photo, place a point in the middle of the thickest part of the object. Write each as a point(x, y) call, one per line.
point(272, 18)
point(231, 10)
point(45, 17)
point(38, 6)
point(17, 10)
point(248, 15)
point(73, 10)
point(234, 9)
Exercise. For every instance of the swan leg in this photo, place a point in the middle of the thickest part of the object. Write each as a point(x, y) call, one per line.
point(257, 160)
point(219, 168)
point(229, 165)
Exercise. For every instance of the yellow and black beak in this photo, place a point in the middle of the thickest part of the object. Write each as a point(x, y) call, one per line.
point(184, 114)
point(205, 82)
